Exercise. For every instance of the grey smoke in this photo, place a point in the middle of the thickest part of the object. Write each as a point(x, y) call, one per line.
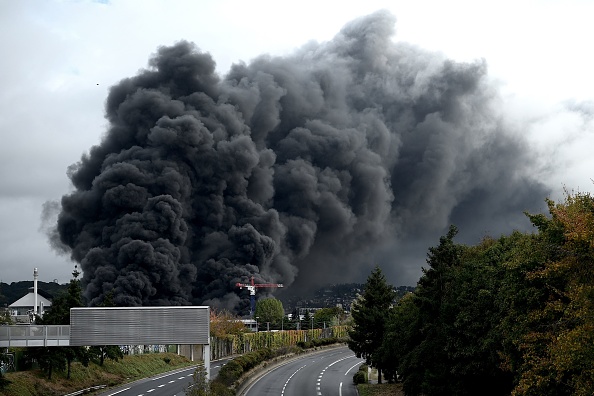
point(302, 169)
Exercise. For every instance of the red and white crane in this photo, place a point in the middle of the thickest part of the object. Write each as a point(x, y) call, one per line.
point(251, 287)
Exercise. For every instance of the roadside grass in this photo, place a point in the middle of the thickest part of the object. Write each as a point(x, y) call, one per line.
point(130, 368)
point(380, 390)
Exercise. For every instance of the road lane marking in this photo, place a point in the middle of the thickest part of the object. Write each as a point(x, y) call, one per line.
point(289, 379)
point(352, 367)
point(319, 393)
point(121, 390)
point(340, 389)
point(174, 373)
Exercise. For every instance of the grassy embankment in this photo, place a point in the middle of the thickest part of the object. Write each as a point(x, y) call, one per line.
point(130, 368)
point(380, 390)
point(375, 389)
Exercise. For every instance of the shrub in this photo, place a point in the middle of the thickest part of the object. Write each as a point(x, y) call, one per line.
point(230, 373)
point(359, 378)
point(219, 389)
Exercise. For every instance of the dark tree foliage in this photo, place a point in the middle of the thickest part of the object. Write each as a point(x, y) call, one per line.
point(370, 314)
point(512, 315)
point(444, 339)
point(59, 358)
point(47, 358)
point(427, 367)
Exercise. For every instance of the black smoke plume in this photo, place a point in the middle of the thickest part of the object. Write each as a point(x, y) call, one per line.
point(302, 169)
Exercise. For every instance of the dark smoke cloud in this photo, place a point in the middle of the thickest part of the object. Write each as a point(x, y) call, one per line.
point(301, 169)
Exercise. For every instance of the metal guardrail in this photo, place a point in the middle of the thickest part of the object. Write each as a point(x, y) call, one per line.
point(34, 335)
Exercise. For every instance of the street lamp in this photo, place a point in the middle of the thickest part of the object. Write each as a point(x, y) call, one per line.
point(257, 317)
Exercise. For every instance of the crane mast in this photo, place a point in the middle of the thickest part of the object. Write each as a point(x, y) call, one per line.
point(251, 287)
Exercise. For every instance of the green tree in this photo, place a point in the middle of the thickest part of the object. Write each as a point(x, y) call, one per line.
point(5, 317)
point(269, 310)
point(369, 315)
point(50, 358)
point(200, 386)
point(558, 351)
point(327, 317)
point(426, 367)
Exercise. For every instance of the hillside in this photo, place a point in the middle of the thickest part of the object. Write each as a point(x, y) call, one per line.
point(10, 293)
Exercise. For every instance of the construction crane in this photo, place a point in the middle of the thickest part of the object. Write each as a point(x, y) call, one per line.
point(252, 289)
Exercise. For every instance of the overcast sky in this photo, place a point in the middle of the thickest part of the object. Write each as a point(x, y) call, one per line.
point(59, 58)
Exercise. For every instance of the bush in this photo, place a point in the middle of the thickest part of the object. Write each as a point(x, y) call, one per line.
point(219, 389)
point(230, 373)
point(359, 378)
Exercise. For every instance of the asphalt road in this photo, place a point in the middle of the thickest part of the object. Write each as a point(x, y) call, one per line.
point(329, 373)
point(167, 384)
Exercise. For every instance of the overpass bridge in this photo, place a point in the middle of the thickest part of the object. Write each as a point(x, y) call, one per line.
point(185, 326)
point(34, 336)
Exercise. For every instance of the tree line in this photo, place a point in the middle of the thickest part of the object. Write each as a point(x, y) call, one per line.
point(509, 315)
point(50, 359)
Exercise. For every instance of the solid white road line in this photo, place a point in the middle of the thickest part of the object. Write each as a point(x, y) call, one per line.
point(352, 367)
point(121, 390)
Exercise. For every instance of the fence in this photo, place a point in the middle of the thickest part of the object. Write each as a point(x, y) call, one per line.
point(33, 336)
point(247, 342)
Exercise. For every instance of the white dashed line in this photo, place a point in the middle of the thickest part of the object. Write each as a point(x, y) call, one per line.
point(289, 379)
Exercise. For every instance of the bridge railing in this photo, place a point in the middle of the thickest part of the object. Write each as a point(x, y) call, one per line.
point(34, 335)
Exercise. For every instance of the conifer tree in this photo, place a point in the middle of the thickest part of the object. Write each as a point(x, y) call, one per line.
point(370, 314)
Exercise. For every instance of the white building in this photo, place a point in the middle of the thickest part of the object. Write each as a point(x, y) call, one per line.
point(24, 309)
point(21, 311)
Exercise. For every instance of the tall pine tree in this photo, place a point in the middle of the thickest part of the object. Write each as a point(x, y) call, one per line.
point(370, 314)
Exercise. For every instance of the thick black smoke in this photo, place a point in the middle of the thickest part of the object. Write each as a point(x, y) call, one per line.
point(300, 169)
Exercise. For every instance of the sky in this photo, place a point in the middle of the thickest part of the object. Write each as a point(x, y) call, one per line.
point(59, 59)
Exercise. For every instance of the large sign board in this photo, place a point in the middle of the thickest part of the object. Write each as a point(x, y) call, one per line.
point(186, 325)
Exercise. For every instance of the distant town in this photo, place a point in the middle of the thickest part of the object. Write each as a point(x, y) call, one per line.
point(332, 295)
